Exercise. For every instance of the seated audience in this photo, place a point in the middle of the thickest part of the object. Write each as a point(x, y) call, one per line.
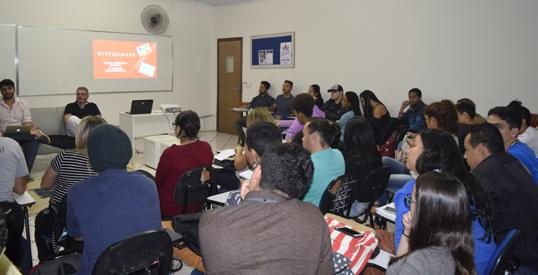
point(508, 121)
point(377, 114)
point(15, 111)
point(12, 180)
point(263, 99)
point(256, 115)
point(67, 168)
point(260, 135)
point(361, 157)
point(314, 91)
point(71, 166)
point(511, 192)
point(282, 104)
point(303, 108)
point(527, 133)
point(352, 108)
point(440, 115)
point(329, 163)
point(6, 266)
point(78, 110)
point(177, 159)
point(478, 119)
point(333, 107)
point(437, 237)
point(466, 119)
point(113, 205)
point(437, 150)
point(271, 230)
point(414, 115)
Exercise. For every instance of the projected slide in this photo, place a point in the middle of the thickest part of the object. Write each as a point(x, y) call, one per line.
point(114, 59)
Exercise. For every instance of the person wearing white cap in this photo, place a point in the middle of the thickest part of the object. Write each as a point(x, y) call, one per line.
point(333, 107)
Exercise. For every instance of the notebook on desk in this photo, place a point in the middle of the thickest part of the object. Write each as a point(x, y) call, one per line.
point(142, 106)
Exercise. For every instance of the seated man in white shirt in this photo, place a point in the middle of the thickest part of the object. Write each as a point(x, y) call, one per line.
point(12, 180)
point(13, 112)
point(527, 133)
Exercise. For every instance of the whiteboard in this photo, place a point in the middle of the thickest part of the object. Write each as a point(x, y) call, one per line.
point(57, 61)
point(8, 52)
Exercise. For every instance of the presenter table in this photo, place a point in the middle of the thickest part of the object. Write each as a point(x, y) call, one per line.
point(141, 125)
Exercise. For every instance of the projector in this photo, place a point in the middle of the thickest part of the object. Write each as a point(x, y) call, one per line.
point(170, 108)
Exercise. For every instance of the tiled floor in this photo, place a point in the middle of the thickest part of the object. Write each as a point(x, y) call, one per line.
point(218, 141)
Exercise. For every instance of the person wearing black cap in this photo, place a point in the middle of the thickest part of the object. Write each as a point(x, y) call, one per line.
point(333, 107)
point(113, 205)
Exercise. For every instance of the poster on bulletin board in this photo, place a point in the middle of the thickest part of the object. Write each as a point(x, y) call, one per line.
point(273, 51)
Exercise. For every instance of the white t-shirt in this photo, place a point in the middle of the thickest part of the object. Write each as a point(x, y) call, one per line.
point(530, 137)
point(13, 166)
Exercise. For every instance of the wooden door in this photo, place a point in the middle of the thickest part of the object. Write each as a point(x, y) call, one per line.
point(229, 83)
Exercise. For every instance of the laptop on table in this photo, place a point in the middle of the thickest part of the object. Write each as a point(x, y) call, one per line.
point(143, 106)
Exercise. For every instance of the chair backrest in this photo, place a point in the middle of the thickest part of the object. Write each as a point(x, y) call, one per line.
point(192, 189)
point(373, 186)
point(145, 253)
point(338, 197)
point(500, 260)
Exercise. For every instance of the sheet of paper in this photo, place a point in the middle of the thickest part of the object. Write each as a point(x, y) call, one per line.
point(24, 199)
point(382, 259)
point(247, 174)
point(224, 154)
point(386, 213)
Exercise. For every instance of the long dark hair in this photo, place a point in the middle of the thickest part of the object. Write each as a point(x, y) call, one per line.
point(442, 218)
point(360, 144)
point(445, 113)
point(367, 97)
point(319, 98)
point(442, 153)
point(354, 102)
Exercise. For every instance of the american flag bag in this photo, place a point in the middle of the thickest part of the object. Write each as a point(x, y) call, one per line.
point(357, 250)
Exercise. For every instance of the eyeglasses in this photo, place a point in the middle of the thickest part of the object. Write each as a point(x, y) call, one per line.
point(174, 124)
point(408, 200)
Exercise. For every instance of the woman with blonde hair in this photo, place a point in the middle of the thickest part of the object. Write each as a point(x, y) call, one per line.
point(256, 115)
point(67, 168)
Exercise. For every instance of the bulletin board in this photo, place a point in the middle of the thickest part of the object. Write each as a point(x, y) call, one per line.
point(273, 51)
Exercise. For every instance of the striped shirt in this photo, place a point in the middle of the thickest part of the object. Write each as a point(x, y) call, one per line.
point(71, 167)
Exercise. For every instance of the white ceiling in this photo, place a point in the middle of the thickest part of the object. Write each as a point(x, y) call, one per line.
point(222, 2)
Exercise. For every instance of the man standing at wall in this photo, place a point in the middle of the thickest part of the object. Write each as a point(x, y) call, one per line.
point(79, 109)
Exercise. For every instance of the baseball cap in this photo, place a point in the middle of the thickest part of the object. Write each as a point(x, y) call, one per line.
point(336, 87)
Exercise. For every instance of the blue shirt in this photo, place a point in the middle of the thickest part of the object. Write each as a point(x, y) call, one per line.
point(482, 250)
point(343, 122)
point(283, 106)
point(110, 207)
point(414, 117)
point(328, 165)
point(526, 156)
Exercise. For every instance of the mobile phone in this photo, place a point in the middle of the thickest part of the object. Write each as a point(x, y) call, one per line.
point(350, 232)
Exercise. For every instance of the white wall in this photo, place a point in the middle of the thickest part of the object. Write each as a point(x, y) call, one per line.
point(191, 27)
point(483, 49)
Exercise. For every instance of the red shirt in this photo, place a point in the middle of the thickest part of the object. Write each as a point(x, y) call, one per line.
point(176, 160)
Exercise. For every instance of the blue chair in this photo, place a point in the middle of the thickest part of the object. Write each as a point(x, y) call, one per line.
point(500, 260)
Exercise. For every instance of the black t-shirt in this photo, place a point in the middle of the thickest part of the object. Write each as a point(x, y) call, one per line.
point(333, 111)
point(90, 109)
